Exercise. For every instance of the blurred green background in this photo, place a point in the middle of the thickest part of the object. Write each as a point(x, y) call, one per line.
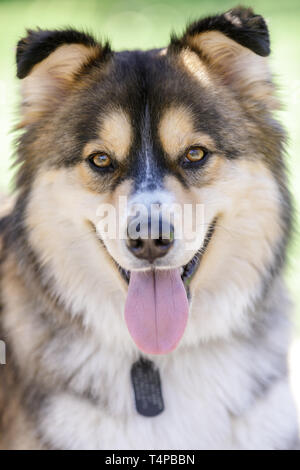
point(142, 24)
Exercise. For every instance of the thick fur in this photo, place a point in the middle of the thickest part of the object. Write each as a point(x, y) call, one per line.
point(66, 382)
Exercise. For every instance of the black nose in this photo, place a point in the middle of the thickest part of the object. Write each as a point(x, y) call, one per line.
point(145, 247)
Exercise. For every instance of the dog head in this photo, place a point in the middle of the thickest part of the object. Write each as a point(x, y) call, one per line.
point(121, 149)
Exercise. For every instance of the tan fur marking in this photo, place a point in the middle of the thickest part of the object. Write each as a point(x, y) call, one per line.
point(231, 57)
point(237, 66)
point(192, 63)
point(176, 132)
point(243, 243)
point(248, 228)
point(116, 133)
point(85, 176)
point(50, 78)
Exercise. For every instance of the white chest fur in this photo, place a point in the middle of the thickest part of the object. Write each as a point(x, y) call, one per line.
point(208, 405)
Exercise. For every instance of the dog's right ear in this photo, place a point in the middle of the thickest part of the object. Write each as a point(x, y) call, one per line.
point(48, 63)
point(234, 46)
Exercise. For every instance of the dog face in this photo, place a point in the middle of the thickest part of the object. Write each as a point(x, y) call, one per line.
point(185, 126)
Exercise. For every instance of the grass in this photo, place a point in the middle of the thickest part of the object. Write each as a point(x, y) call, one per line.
point(134, 24)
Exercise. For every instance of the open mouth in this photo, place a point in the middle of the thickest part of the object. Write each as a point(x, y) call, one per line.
point(188, 270)
point(157, 306)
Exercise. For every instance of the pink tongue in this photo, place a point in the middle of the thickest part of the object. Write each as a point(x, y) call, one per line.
point(156, 310)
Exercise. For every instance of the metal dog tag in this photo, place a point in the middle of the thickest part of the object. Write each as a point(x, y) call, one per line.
point(147, 388)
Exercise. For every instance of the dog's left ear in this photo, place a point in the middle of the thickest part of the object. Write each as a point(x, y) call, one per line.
point(234, 45)
point(48, 62)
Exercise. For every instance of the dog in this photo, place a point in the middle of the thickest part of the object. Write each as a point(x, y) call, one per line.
point(135, 341)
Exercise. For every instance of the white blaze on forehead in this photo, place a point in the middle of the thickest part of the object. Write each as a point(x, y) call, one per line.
point(146, 150)
point(116, 132)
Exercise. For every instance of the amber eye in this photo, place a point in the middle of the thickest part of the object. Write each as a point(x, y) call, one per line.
point(100, 160)
point(195, 154)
